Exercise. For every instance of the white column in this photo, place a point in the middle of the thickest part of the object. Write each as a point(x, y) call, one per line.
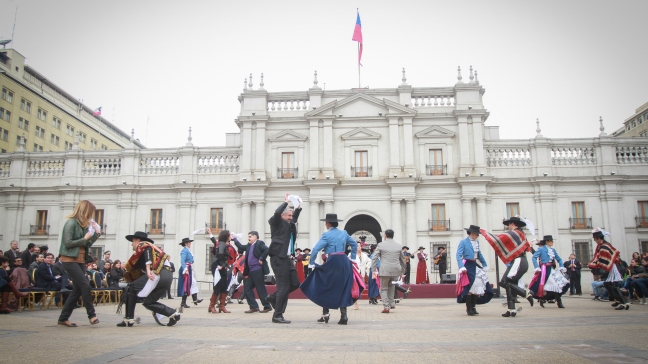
point(466, 208)
point(411, 223)
point(260, 143)
point(314, 232)
point(313, 142)
point(328, 144)
point(408, 139)
point(394, 149)
point(246, 142)
point(260, 223)
point(481, 213)
point(397, 224)
point(245, 218)
point(328, 207)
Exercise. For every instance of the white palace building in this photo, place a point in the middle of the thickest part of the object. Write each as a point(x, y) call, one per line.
point(418, 160)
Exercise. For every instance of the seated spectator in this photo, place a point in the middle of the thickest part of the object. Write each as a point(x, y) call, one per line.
point(38, 259)
point(7, 286)
point(1, 253)
point(58, 270)
point(634, 269)
point(116, 274)
point(640, 282)
point(600, 293)
point(19, 275)
point(94, 277)
point(106, 268)
point(44, 277)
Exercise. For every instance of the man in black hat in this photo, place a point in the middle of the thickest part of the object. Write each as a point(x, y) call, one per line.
point(515, 270)
point(441, 261)
point(283, 232)
point(149, 277)
point(408, 266)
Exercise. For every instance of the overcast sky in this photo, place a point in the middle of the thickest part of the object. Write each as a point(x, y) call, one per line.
point(182, 63)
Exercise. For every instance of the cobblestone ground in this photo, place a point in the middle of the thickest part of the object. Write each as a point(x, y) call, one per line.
point(418, 330)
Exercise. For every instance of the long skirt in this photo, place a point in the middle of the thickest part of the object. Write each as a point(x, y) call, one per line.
point(422, 276)
point(300, 271)
point(189, 287)
point(374, 288)
point(474, 280)
point(331, 284)
point(548, 284)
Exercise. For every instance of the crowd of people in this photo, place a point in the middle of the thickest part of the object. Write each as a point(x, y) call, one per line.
point(349, 267)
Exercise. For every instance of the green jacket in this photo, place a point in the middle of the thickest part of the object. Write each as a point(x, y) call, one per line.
point(72, 239)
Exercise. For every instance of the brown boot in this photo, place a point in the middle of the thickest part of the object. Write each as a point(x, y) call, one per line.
point(5, 300)
point(223, 299)
point(212, 304)
point(15, 290)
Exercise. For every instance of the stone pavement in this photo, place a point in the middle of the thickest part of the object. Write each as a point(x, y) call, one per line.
point(418, 330)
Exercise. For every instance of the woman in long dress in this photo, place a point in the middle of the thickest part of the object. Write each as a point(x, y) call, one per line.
point(548, 283)
point(422, 276)
point(187, 283)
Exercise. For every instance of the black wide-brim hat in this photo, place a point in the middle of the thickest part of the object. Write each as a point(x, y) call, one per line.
point(421, 247)
point(547, 238)
point(405, 247)
point(541, 242)
point(516, 220)
point(473, 229)
point(331, 218)
point(139, 235)
point(185, 241)
point(304, 251)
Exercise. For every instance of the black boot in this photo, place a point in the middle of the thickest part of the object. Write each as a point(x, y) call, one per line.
point(469, 305)
point(184, 302)
point(343, 316)
point(325, 316)
point(559, 302)
point(129, 322)
point(196, 301)
point(473, 304)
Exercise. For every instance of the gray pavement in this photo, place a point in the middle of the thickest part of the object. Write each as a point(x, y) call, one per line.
point(418, 330)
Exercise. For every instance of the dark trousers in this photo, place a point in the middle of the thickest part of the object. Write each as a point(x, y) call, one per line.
point(221, 286)
point(81, 288)
point(255, 280)
point(287, 281)
point(511, 283)
point(408, 267)
point(615, 292)
point(574, 282)
point(640, 286)
point(442, 271)
point(150, 301)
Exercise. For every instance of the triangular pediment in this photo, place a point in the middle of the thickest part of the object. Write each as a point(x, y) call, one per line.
point(435, 132)
point(288, 135)
point(324, 110)
point(360, 105)
point(359, 134)
point(396, 108)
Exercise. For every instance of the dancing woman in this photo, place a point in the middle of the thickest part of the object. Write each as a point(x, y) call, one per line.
point(187, 283)
point(547, 284)
point(474, 289)
point(219, 268)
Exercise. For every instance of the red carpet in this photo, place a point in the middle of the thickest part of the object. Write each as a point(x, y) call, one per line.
point(417, 291)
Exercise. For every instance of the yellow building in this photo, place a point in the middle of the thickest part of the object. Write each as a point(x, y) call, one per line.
point(33, 107)
point(636, 125)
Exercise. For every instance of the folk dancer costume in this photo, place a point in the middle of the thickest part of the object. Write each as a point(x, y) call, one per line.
point(472, 285)
point(422, 276)
point(306, 262)
point(363, 267)
point(607, 258)
point(548, 283)
point(336, 283)
point(147, 257)
point(220, 253)
point(299, 263)
point(187, 283)
point(374, 282)
point(511, 248)
point(236, 281)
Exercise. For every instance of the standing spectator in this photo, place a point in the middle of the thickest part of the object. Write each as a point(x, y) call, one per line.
point(574, 269)
point(27, 255)
point(392, 266)
point(283, 232)
point(43, 249)
point(105, 259)
point(13, 253)
point(44, 277)
point(408, 267)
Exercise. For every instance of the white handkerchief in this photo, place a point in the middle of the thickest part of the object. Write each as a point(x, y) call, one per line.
point(199, 231)
point(238, 236)
point(91, 229)
point(216, 277)
point(149, 286)
point(295, 200)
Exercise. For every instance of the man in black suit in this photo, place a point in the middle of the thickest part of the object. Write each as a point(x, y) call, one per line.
point(574, 269)
point(408, 266)
point(283, 232)
point(255, 269)
point(12, 253)
point(44, 277)
point(27, 257)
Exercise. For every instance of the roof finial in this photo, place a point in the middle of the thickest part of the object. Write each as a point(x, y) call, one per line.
point(471, 77)
point(315, 80)
point(602, 128)
point(245, 85)
point(404, 79)
point(476, 80)
point(459, 74)
point(250, 82)
point(189, 138)
point(261, 84)
point(538, 135)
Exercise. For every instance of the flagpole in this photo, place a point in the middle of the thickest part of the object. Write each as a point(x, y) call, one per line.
point(359, 84)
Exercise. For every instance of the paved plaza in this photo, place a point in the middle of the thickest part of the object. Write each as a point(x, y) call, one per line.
point(418, 330)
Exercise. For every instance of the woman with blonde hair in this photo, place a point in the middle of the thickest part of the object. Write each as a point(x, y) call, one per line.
point(79, 233)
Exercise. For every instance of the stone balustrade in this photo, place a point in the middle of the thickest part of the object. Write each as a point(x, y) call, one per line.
point(289, 105)
point(101, 166)
point(508, 157)
point(218, 163)
point(46, 167)
point(632, 154)
point(159, 165)
point(572, 156)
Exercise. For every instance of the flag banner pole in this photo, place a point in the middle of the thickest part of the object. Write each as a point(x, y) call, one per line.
point(359, 84)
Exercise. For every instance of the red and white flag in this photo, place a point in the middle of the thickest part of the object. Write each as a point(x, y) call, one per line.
point(97, 112)
point(357, 37)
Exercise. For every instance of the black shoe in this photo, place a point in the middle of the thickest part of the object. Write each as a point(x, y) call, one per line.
point(474, 311)
point(280, 320)
point(240, 302)
point(559, 303)
point(196, 302)
point(530, 299)
point(77, 306)
point(469, 311)
point(406, 294)
point(324, 318)
point(509, 314)
point(343, 320)
point(129, 322)
point(615, 304)
point(169, 298)
point(185, 305)
point(272, 300)
point(174, 318)
point(541, 303)
point(622, 307)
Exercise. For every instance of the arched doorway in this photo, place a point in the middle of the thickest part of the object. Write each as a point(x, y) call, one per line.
point(363, 225)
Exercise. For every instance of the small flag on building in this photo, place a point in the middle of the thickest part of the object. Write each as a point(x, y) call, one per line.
point(357, 37)
point(97, 112)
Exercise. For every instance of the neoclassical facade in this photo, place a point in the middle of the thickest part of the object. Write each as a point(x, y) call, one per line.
point(419, 160)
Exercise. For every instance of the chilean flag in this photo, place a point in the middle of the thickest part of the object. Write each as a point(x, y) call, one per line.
point(96, 112)
point(357, 36)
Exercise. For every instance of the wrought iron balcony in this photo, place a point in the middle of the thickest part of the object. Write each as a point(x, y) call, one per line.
point(642, 221)
point(439, 225)
point(580, 223)
point(361, 171)
point(286, 173)
point(436, 169)
point(155, 229)
point(39, 229)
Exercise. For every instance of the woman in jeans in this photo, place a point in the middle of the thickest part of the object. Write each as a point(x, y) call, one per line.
point(79, 233)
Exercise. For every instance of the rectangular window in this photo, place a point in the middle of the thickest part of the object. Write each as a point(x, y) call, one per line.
point(93, 143)
point(82, 137)
point(68, 145)
point(23, 124)
point(581, 248)
point(56, 122)
point(42, 114)
point(436, 166)
point(104, 147)
point(7, 95)
point(438, 222)
point(4, 93)
point(2, 113)
point(642, 217)
point(644, 246)
point(97, 251)
point(216, 220)
point(54, 140)
point(40, 132)
point(512, 209)
point(156, 221)
point(361, 163)
point(5, 114)
point(4, 134)
point(38, 148)
point(99, 218)
point(41, 222)
point(23, 104)
point(3, 151)
point(288, 165)
point(578, 215)
point(69, 130)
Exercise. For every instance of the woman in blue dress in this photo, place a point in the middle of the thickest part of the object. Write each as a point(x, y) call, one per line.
point(374, 290)
point(548, 284)
point(186, 278)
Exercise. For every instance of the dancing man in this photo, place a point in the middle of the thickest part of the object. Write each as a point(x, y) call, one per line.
point(149, 277)
point(330, 284)
point(392, 266)
point(472, 284)
point(283, 232)
point(254, 270)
